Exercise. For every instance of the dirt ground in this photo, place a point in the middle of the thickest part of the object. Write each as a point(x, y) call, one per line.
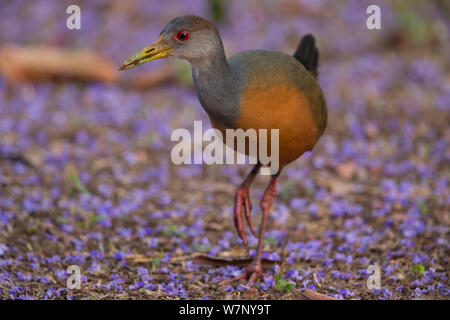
point(86, 177)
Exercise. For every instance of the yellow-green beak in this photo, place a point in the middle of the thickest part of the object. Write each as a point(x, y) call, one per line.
point(156, 50)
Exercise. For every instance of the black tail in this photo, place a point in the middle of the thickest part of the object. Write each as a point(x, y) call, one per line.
point(308, 54)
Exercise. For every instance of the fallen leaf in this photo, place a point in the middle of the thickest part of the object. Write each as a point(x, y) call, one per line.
point(37, 63)
point(214, 226)
point(313, 295)
point(237, 262)
point(250, 294)
point(346, 170)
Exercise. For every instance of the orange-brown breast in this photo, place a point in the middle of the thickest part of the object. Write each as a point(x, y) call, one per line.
point(282, 107)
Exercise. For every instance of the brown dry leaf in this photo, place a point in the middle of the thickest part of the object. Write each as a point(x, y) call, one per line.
point(316, 281)
point(142, 156)
point(398, 217)
point(139, 258)
point(346, 170)
point(160, 295)
point(378, 247)
point(250, 293)
point(189, 275)
point(123, 296)
point(234, 252)
point(339, 187)
point(37, 63)
point(313, 295)
point(437, 267)
point(18, 157)
point(401, 276)
point(371, 130)
point(51, 278)
point(237, 262)
point(214, 226)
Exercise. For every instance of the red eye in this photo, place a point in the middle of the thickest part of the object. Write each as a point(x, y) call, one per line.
point(182, 35)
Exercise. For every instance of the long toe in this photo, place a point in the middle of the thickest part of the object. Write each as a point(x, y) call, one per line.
point(238, 221)
point(248, 210)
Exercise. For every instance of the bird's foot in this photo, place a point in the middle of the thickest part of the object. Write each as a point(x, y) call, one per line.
point(252, 273)
point(242, 199)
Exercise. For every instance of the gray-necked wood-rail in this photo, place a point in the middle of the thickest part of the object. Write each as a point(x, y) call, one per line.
point(256, 89)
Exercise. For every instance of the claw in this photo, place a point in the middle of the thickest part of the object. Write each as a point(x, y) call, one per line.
point(251, 274)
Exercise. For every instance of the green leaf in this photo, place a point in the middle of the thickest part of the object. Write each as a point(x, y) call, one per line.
point(287, 190)
point(201, 248)
point(173, 230)
point(418, 268)
point(423, 208)
point(157, 261)
point(72, 180)
point(281, 284)
point(284, 285)
point(77, 184)
point(217, 9)
point(269, 240)
point(34, 227)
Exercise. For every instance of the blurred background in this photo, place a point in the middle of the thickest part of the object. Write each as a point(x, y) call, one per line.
point(86, 176)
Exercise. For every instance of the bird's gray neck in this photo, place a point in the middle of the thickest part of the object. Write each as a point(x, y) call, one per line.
point(216, 87)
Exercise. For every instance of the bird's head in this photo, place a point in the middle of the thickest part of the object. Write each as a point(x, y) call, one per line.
point(189, 37)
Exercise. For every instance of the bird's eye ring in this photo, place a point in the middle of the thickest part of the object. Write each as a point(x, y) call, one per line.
point(183, 35)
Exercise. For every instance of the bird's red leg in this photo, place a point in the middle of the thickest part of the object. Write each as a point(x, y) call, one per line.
point(242, 199)
point(254, 269)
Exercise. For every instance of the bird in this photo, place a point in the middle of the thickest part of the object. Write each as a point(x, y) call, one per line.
point(254, 89)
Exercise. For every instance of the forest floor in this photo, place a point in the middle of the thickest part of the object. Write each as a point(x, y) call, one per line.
point(86, 179)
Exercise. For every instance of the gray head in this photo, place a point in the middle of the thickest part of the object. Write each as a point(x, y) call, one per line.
point(189, 37)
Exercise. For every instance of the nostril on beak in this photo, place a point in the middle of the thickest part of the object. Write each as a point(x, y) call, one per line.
point(149, 50)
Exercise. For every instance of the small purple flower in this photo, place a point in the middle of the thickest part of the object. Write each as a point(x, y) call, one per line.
point(45, 280)
point(153, 242)
point(119, 255)
point(60, 274)
point(241, 288)
point(386, 293)
point(346, 293)
point(3, 249)
point(96, 254)
point(66, 228)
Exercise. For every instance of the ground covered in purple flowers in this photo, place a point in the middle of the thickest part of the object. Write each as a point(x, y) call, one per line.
point(86, 177)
